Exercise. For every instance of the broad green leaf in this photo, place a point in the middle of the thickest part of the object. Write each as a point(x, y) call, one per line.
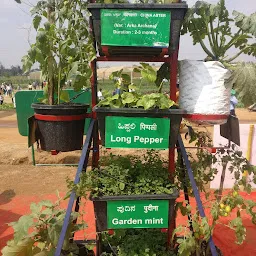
point(149, 74)
point(21, 227)
point(116, 103)
point(36, 21)
point(64, 96)
point(149, 104)
point(35, 208)
point(133, 87)
point(115, 74)
point(128, 98)
point(137, 70)
point(22, 248)
point(121, 186)
point(126, 78)
point(41, 36)
point(46, 203)
point(115, 97)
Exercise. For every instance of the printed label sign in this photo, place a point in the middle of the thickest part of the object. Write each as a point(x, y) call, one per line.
point(135, 28)
point(137, 214)
point(137, 132)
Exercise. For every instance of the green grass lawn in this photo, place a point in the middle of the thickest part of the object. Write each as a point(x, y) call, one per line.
point(6, 106)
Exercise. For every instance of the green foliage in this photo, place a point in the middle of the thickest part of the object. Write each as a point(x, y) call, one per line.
point(137, 100)
point(23, 81)
point(141, 242)
point(130, 96)
point(6, 106)
point(63, 46)
point(244, 81)
point(37, 234)
point(130, 175)
point(8, 72)
point(220, 206)
point(212, 23)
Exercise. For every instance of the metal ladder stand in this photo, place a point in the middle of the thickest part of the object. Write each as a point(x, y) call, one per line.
point(92, 138)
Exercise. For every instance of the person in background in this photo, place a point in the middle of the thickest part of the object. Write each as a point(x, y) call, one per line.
point(8, 90)
point(99, 94)
point(30, 87)
point(1, 99)
point(34, 85)
point(233, 102)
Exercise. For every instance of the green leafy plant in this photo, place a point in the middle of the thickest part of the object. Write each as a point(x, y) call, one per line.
point(210, 26)
point(212, 23)
point(245, 74)
point(142, 242)
point(128, 94)
point(38, 232)
point(126, 176)
point(63, 46)
point(221, 206)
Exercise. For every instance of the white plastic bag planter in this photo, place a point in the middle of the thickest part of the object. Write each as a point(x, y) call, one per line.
point(203, 92)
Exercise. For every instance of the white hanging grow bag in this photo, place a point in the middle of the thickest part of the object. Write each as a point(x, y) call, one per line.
point(203, 92)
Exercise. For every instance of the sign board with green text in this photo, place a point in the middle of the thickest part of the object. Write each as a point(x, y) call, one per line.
point(137, 214)
point(143, 28)
point(137, 132)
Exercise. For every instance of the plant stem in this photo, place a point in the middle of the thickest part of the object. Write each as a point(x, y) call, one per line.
point(210, 38)
point(59, 78)
point(202, 43)
point(233, 40)
point(160, 87)
point(50, 60)
point(224, 168)
point(215, 44)
point(217, 33)
point(238, 54)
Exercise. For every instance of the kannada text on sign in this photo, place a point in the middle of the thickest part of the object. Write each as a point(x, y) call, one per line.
point(137, 214)
point(135, 28)
point(137, 132)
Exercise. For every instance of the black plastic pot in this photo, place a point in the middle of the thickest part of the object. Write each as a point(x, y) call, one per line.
point(100, 205)
point(175, 116)
point(178, 11)
point(60, 127)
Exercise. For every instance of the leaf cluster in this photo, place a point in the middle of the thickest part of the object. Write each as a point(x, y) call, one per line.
point(38, 232)
point(212, 23)
point(196, 242)
point(140, 242)
point(137, 100)
point(63, 46)
point(129, 175)
point(129, 95)
point(220, 207)
point(243, 80)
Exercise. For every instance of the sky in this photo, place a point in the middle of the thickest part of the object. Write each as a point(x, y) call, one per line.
point(16, 32)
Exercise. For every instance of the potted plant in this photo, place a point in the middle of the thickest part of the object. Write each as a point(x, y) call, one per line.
point(126, 180)
point(125, 30)
point(63, 50)
point(37, 233)
point(141, 242)
point(206, 97)
point(225, 207)
point(129, 102)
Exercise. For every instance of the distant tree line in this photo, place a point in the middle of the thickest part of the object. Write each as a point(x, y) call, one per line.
point(12, 71)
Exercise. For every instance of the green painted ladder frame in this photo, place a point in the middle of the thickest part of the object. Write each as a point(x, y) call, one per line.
point(25, 98)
